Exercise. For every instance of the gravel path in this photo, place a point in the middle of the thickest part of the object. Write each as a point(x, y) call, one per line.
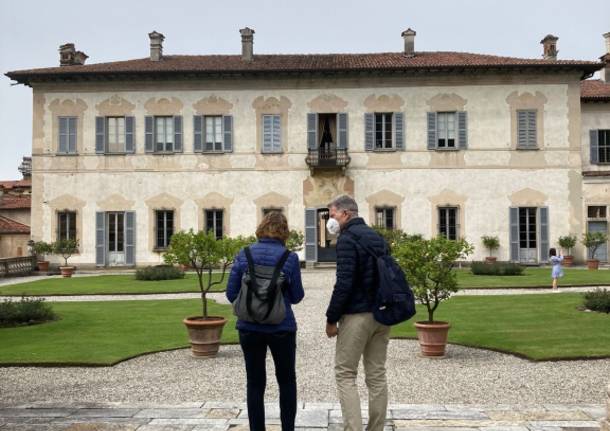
point(469, 376)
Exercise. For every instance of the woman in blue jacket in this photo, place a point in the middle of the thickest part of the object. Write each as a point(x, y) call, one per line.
point(254, 338)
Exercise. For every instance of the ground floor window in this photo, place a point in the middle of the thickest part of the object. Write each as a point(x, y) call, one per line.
point(447, 222)
point(164, 227)
point(384, 217)
point(66, 225)
point(596, 211)
point(213, 222)
point(271, 209)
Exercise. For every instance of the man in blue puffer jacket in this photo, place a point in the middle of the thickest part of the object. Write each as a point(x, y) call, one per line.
point(254, 338)
point(349, 317)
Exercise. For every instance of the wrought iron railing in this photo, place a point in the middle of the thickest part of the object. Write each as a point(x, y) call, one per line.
point(328, 158)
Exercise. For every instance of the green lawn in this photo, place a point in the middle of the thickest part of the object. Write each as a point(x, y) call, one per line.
point(538, 327)
point(534, 277)
point(104, 333)
point(108, 284)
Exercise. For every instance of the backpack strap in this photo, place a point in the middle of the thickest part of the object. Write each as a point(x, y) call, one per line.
point(274, 278)
point(364, 246)
point(252, 279)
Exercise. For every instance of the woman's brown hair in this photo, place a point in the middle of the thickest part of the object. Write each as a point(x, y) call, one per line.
point(274, 225)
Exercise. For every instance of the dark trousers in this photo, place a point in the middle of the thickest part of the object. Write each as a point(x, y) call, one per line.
point(283, 350)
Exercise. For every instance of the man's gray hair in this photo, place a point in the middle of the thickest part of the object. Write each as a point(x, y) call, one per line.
point(345, 203)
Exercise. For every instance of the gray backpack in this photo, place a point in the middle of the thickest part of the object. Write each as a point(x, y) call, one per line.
point(260, 299)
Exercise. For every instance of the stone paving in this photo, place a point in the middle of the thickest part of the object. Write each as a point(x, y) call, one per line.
point(220, 416)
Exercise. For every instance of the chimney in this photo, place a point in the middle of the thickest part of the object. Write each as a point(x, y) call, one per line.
point(80, 57)
point(409, 36)
point(247, 43)
point(605, 72)
point(550, 47)
point(156, 46)
point(66, 54)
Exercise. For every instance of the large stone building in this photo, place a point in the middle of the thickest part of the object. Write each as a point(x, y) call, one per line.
point(127, 152)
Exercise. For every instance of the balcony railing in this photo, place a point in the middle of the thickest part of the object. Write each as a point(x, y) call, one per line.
point(13, 266)
point(328, 158)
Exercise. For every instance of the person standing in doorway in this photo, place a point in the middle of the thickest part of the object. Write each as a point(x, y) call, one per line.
point(349, 317)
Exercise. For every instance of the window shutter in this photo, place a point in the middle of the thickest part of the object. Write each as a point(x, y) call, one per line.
point(369, 131)
point(514, 234)
point(531, 129)
point(100, 237)
point(399, 134)
point(178, 133)
point(198, 128)
point(544, 234)
point(521, 129)
point(277, 135)
point(343, 127)
point(594, 146)
point(72, 134)
point(462, 121)
point(267, 133)
point(148, 133)
point(63, 135)
point(432, 138)
point(312, 131)
point(130, 237)
point(130, 126)
point(100, 134)
point(227, 127)
point(311, 235)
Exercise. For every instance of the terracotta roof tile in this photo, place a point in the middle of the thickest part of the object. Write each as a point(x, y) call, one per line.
point(15, 184)
point(595, 90)
point(226, 64)
point(8, 225)
point(15, 202)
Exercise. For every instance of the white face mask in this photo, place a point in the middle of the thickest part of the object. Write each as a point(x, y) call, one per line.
point(333, 226)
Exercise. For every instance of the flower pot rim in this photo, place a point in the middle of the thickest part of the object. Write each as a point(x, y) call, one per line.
point(201, 321)
point(66, 267)
point(435, 324)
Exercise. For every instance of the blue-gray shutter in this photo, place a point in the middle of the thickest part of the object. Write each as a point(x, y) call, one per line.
point(462, 121)
point(148, 133)
point(342, 142)
point(130, 133)
point(72, 122)
point(267, 133)
point(311, 235)
point(63, 135)
point(100, 238)
point(369, 131)
point(399, 134)
point(227, 128)
point(594, 146)
point(521, 129)
point(514, 234)
point(178, 133)
point(544, 234)
point(432, 136)
point(130, 237)
point(312, 131)
point(531, 129)
point(277, 135)
point(198, 128)
point(100, 135)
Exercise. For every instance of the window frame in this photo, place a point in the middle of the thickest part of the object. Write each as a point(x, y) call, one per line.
point(166, 237)
point(456, 143)
point(527, 130)
point(214, 213)
point(67, 134)
point(384, 214)
point(605, 145)
point(392, 131)
point(601, 217)
point(167, 119)
point(70, 226)
point(215, 133)
point(456, 219)
point(107, 134)
point(272, 134)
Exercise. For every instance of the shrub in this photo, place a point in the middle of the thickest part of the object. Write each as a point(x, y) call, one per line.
point(27, 311)
point(295, 241)
point(496, 268)
point(159, 272)
point(598, 300)
point(41, 248)
point(491, 243)
point(567, 243)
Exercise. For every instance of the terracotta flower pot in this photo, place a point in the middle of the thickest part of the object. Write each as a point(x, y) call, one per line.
point(205, 334)
point(490, 259)
point(568, 260)
point(43, 265)
point(432, 337)
point(66, 271)
point(592, 264)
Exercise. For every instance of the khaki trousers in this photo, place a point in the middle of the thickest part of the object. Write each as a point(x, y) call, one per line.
point(361, 336)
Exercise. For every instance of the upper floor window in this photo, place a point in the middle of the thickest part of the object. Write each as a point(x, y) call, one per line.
point(596, 211)
point(67, 135)
point(384, 217)
point(163, 134)
point(384, 131)
point(447, 222)
point(447, 130)
point(272, 134)
point(66, 225)
point(114, 135)
point(526, 129)
point(213, 222)
point(213, 133)
point(599, 146)
point(164, 227)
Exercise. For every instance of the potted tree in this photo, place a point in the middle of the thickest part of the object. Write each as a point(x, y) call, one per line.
point(491, 243)
point(204, 253)
point(66, 248)
point(593, 240)
point(40, 249)
point(429, 267)
point(567, 243)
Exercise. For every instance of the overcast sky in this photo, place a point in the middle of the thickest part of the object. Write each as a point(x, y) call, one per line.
point(31, 32)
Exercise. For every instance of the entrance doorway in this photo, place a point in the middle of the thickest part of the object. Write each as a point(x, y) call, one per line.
point(115, 226)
